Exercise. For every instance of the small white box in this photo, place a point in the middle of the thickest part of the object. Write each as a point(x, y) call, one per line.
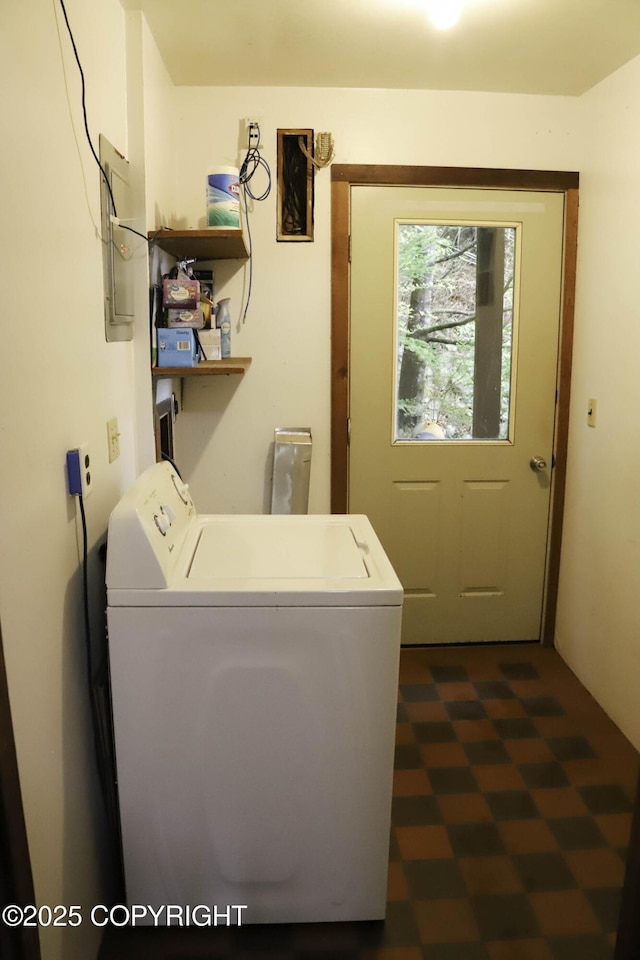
point(210, 340)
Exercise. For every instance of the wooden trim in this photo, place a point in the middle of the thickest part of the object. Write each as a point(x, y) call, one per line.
point(16, 883)
point(340, 205)
point(562, 415)
point(300, 188)
point(628, 935)
point(478, 177)
point(343, 177)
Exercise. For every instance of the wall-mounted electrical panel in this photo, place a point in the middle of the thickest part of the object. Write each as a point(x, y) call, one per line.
point(117, 252)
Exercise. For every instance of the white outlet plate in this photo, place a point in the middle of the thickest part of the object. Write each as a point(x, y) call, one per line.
point(245, 140)
point(113, 439)
point(86, 474)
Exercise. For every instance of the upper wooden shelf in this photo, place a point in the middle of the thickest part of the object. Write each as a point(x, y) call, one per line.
point(220, 244)
point(206, 368)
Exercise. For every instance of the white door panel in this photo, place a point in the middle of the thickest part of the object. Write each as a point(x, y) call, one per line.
point(464, 519)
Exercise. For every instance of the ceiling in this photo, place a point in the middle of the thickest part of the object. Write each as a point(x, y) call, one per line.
point(516, 46)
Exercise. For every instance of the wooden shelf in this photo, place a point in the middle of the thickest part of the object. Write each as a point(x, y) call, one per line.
point(222, 244)
point(207, 368)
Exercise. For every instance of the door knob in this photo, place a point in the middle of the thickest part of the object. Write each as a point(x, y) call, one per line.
point(538, 464)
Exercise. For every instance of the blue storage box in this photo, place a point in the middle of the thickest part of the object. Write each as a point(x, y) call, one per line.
point(177, 347)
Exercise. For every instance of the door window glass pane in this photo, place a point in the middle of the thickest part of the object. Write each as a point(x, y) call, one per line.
point(454, 330)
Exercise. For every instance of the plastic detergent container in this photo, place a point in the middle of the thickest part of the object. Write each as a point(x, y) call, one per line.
point(223, 197)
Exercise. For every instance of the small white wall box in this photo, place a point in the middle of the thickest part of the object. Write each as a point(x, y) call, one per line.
point(177, 348)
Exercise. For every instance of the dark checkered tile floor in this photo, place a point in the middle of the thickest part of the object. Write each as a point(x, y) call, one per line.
point(511, 815)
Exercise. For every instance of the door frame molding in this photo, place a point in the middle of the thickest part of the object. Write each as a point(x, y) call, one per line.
point(16, 881)
point(343, 177)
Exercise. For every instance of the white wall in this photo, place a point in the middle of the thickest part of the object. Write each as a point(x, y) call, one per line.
point(598, 626)
point(226, 430)
point(153, 124)
point(61, 382)
point(158, 90)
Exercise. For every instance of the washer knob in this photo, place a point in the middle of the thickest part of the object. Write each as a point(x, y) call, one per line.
point(182, 489)
point(162, 522)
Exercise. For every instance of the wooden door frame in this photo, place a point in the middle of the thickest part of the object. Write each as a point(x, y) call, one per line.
point(343, 177)
point(16, 882)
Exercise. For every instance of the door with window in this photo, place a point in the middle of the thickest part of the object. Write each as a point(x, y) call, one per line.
point(455, 303)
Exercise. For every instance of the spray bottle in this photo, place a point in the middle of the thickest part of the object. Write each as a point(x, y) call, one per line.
point(223, 323)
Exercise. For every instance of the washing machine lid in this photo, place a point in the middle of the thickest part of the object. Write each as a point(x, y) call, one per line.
point(232, 548)
point(275, 561)
point(161, 552)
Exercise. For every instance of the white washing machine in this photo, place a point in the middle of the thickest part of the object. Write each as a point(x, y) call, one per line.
point(254, 671)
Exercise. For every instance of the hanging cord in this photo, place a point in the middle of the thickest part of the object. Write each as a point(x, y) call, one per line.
point(294, 179)
point(98, 229)
point(165, 456)
point(99, 703)
point(199, 347)
point(86, 126)
point(252, 162)
point(250, 281)
point(91, 671)
point(325, 150)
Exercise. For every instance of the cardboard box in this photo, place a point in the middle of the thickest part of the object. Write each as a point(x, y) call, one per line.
point(210, 340)
point(177, 347)
point(180, 293)
point(186, 318)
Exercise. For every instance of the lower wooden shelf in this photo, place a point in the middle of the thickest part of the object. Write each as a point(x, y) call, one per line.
point(207, 368)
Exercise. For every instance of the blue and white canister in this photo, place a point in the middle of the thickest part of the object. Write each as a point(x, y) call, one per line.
point(223, 198)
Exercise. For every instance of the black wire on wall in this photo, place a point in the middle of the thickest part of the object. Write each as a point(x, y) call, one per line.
point(252, 163)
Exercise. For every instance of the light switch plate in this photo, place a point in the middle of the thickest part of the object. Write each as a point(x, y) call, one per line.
point(113, 439)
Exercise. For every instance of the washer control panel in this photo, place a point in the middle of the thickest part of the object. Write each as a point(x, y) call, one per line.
point(147, 529)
